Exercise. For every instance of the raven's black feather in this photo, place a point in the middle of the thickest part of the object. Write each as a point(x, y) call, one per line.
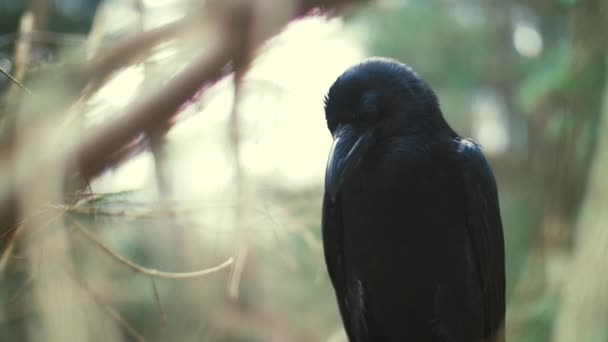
point(411, 225)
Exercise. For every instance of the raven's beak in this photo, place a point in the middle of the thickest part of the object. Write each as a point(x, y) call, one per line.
point(345, 155)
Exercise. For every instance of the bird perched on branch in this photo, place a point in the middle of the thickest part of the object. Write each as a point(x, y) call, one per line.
point(412, 232)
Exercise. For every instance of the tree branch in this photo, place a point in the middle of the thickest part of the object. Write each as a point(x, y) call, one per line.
point(92, 155)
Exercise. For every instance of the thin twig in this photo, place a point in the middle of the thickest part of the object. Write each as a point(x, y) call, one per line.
point(148, 271)
point(163, 316)
point(21, 61)
point(9, 236)
point(14, 80)
point(129, 214)
point(237, 271)
point(121, 320)
point(234, 135)
point(22, 55)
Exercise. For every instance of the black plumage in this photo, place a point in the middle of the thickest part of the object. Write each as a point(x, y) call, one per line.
point(412, 232)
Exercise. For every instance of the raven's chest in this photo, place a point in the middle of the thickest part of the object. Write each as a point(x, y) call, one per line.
point(401, 178)
point(402, 202)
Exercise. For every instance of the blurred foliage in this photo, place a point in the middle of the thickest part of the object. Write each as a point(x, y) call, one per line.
point(547, 98)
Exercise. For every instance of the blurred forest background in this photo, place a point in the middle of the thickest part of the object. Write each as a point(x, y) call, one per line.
point(161, 161)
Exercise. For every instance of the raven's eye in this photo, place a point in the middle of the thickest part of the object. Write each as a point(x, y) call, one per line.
point(369, 102)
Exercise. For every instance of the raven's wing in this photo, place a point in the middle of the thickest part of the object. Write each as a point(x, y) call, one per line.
point(486, 235)
point(333, 247)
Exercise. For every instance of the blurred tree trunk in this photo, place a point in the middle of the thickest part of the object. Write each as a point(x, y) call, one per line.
point(576, 105)
point(583, 312)
point(565, 125)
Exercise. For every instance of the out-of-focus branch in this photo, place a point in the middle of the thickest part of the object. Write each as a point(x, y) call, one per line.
point(90, 156)
point(127, 51)
point(8, 134)
point(159, 305)
point(21, 61)
point(40, 9)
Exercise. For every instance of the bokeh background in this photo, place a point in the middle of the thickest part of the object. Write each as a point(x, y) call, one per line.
point(235, 178)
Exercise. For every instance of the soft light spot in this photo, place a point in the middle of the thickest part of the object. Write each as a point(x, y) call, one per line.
point(136, 173)
point(489, 124)
point(527, 40)
point(159, 3)
point(122, 88)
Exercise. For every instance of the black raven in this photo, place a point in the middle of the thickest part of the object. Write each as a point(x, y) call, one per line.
point(412, 232)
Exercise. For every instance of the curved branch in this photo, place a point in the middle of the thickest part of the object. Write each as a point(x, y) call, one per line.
point(148, 271)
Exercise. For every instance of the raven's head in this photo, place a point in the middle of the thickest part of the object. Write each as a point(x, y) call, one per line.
point(377, 99)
